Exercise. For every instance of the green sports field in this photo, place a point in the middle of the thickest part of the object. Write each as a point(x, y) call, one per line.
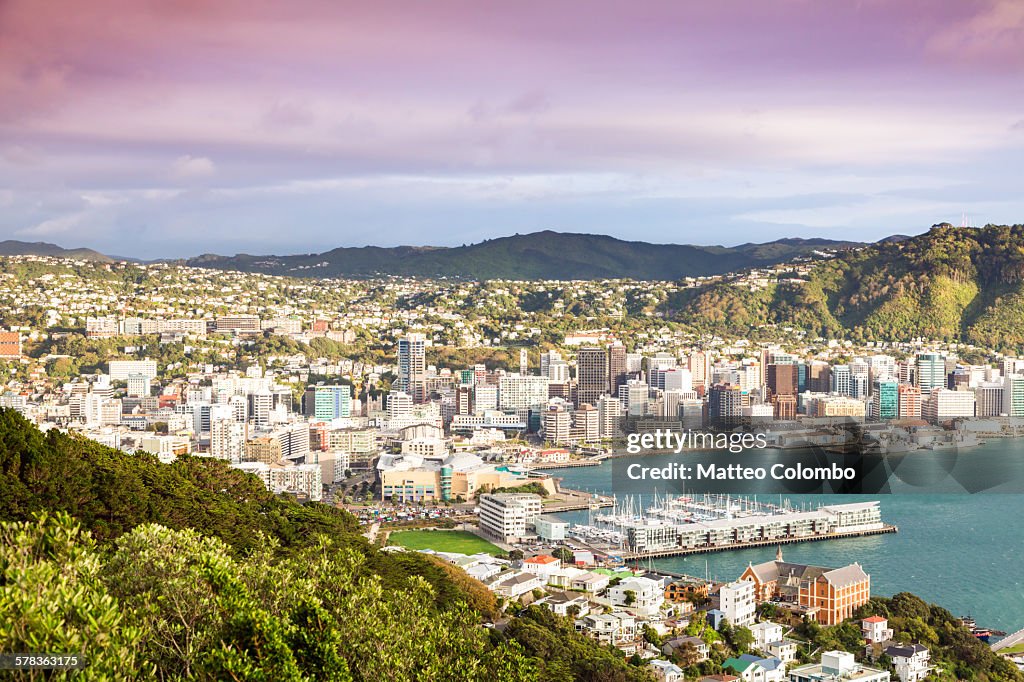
point(459, 541)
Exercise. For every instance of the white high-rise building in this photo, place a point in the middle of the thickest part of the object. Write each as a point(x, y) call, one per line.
point(609, 414)
point(737, 602)
point(519, 392)
point(227, 440)
point(1013, 395)
point(412, 366)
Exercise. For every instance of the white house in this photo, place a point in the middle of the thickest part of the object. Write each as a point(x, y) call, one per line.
point(562, 603)
point(665, 671)
point(642, 595)
point(765, 633)
point(910, 661)
point(517, 584)
point(876, 629)
point(590, 582)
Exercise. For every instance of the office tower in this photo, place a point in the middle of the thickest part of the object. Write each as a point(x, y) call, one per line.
point(591, 375)
point(906, 371)
point(943, 405)
point(524, 361)
point(609, 414)
point(657, 366)
point(138, 385)
point(227, 440)
point(784, 407)
point(557, 371)
point(557, 422)
point(782, 379)
point(700, 367)
point(931, 372)
point(634, 362)
point(882, 367)
point(637, 394)
point(677, 379)
point(412, 366)
point(618, 371)
point(819, 377)
point(884, 400)
point(516, 392)
point(909, 402)
point(1013, 395)
point(399, 404)
point(485, 398)
point(726, 403)
point(332, 402)
point(464, 400)
point(586, 424)
point(989, 398)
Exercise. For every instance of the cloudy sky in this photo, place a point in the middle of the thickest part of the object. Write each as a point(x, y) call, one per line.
point(173, 128)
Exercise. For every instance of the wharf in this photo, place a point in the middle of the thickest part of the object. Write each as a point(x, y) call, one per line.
point(707, 549)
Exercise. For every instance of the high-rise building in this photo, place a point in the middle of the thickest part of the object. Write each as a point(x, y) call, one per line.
point(884, 400)
point(618, 371)
point(412, 366)
point(138, 385)
point(524, 361)
point(609, 414)
point(819, 377)
point(931, 372)
point(989, 399)
point(909, 402)
point(332, 402)
point(556, 424)
point(782, 379)
point(522, 392)
point(841, 380)
point(726, 403)
point(1013, 395)
point(591, 375)
point(942, 405)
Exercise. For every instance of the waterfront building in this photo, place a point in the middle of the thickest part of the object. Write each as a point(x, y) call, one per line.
point(1013, 395)
point(943, 405)
point(884, 400)
point(908, 402)
point(931, 372)
point(506, 516)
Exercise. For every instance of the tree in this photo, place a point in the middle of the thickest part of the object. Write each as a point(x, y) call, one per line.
point(565, 555)
point(630, 597)
point(742, 639)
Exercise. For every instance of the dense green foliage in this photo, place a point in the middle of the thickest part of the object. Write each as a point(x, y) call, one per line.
point(948, 284)
point(957, 654)
point(194, 570)
point(541, 255)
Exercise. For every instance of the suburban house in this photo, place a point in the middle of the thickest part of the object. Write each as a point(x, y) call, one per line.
point(910, 661)
point(768, 639)
point(876, 629)
point(562, 603)
point(642, 595)
point(517, 584)
point(617, 628)
point(677, 646)
point(665, 671)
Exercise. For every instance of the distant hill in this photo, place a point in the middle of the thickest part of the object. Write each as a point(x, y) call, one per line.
point(950, 283)
point(540, 255)
point(13, 247)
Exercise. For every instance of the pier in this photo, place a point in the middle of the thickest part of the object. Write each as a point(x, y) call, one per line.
point(707, 549)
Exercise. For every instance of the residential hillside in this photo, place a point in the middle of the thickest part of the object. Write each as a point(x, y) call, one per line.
point(953, 284)
point(541, 255)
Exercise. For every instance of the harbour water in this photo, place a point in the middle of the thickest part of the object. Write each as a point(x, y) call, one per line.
point(964, 552)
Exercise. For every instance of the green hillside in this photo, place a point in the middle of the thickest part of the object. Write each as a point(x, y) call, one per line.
point(541, 255)
point(949, 283)
point(192, 570)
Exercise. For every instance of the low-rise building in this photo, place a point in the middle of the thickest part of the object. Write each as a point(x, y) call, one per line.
point(506, 515)
point(910, 661)
point(837, 666)
point(642, 595)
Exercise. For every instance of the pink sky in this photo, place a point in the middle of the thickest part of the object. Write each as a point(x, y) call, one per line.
point(161, 128)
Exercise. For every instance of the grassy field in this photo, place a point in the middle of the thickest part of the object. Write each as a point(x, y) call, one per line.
point(459, 541)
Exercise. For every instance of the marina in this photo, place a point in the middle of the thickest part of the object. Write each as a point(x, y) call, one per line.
point(682, 525)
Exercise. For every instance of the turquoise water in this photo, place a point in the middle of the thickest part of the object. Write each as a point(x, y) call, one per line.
point(964, 552)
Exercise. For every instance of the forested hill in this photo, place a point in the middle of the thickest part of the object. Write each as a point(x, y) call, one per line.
point(192, 570)
point(950, 283)
point(541, 255)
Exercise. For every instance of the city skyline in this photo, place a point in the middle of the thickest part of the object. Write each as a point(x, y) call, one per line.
point(172, 130)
